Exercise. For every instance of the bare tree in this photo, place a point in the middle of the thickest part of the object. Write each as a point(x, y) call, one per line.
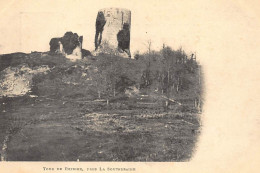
point(149, 45)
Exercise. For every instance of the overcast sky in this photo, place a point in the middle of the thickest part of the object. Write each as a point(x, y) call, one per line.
point(29, 25)
point(195, 25)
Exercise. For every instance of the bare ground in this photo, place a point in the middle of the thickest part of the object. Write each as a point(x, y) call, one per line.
point(45, 129)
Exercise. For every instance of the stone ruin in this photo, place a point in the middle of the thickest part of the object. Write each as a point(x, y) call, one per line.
point(113, 31)
point(112, 36)
point(70, 45)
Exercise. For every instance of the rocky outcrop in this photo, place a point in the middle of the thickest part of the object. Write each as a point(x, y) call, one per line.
point(113, 31)
point(17, 81)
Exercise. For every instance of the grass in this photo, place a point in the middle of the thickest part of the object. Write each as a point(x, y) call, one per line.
point(51, 130)
point(65, 123)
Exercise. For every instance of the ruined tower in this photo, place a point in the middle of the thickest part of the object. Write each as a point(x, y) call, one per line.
point(70, 45)
point(113, 31)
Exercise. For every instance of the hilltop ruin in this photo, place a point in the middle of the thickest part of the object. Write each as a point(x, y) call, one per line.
point(113, 31)
point(70, 45)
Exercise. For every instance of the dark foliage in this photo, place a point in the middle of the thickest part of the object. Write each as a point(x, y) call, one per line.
point(70, 41)
point(12, 60)
point(86, 53)
point(100, 23)
point(123, 37)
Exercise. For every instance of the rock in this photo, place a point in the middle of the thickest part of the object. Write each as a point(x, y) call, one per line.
point(16, 81)
point(132, 91)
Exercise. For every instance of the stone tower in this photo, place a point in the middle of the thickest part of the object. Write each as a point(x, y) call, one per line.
point(113, 31)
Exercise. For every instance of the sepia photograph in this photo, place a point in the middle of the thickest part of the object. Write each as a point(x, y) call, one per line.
point(129, 83)
point(111, 103)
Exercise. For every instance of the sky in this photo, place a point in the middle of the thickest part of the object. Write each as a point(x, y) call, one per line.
point(29, 25)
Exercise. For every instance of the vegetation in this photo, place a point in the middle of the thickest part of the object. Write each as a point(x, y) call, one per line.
point(167, 72)
point(104, 108)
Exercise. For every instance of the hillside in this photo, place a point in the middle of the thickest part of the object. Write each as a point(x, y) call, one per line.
point(98, 108)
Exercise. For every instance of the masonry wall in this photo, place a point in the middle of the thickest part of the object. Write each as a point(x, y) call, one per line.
point(114, 21)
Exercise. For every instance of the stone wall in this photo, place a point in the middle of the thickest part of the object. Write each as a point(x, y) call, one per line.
point(109, 22)
point(70, 45)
